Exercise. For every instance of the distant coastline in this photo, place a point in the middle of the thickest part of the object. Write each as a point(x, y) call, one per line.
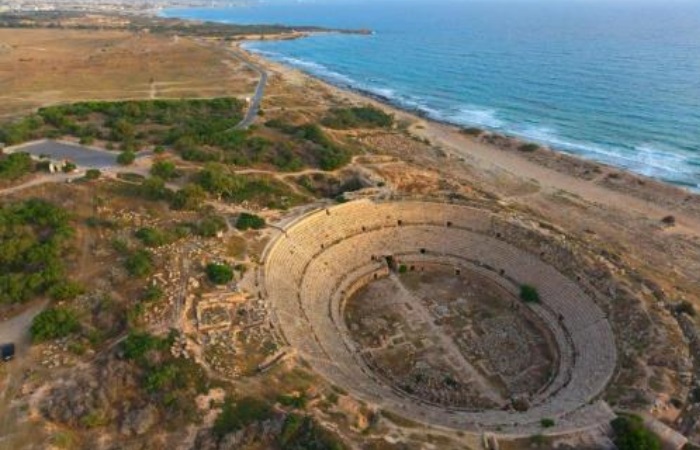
point(591, 111)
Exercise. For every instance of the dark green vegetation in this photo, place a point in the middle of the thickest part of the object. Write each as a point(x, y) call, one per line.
point(219, 273)
point(54, 323)
point(220, 181)
point(317, 145)
point(239, 413)
point(185, 124)
point(171, 383)
point(35, 238)
point(303, 433)
point(528, 148)
point(164, 169)
point(357, 117)
point(529, 294)
point(93, 174)
point(15, 165)
point(248, 221)
point(139, 263)
point(630, 434)
point(152, 237)
point(547, 423)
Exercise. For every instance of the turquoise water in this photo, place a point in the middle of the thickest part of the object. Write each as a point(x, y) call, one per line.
point(617, 82)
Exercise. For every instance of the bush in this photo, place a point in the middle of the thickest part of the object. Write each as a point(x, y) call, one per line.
point(153, 293)
point(69, 167)
point(236, 415)
point(152, 237)
point(93, 174)
point(529, 148)
point(188, 198)
point(529, 294)
point(66, 290)
point(15, 165)
point(630, 434)
point(547, 423)
point(137, 345)
point(211, 226)
point(126, 158)
point(219, 273)
point(247, 221)
point(358, 117)
point(139, 264)
point(164, 169)
point(53, 323)
point(35, 237)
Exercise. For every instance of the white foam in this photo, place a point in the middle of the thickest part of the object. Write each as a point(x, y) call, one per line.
point(473, 115)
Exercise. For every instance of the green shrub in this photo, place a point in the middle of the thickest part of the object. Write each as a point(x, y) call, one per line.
point(247, 221)
point(137, 345)
point(92, 174)
point(152, 237)
point(210, 226)
point(15, 165)
point(35, 237)
point(69, 167)
point(528, 148)
point(237, 414)
point(630, 434)
point(164, 169)
point(54, 323)
point(189, 197)
point(403, 268)
point(547, 423)
point(529, 294)
point(126, 158)
point(219, 273)
point(153, 293)
point(139, 264)
point(66, 290)
point(358, 117)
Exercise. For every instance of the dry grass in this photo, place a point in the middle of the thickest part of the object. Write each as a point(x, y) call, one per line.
point(41, 67)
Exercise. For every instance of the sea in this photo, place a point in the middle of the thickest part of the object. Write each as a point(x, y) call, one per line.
point(615, 81)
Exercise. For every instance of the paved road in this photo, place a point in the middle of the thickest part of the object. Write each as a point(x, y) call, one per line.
point(87, 157)
point(255, 102)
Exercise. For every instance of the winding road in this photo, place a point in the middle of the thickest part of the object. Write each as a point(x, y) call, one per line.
point(255, 102)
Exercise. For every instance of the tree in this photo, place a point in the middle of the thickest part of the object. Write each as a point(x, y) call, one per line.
point(92, 174)
point(630, 434)
point(66, 290)
point(529, 294)
point(247, 221)
point(126, 158)
point(15, 165)
point(139, 264)
point(53, 323)
point(219, 273)
point(236, 415)
point(164, 169)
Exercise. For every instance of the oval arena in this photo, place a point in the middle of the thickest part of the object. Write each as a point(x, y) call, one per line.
point(414, 307)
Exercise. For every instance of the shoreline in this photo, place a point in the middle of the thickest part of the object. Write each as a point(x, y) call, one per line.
point(554, 170)
point(692, 188)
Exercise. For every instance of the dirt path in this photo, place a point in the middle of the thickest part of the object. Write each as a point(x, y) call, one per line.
point(16, 329)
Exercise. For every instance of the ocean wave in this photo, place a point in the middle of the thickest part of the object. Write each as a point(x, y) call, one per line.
point(479, 117)
point(648, 159)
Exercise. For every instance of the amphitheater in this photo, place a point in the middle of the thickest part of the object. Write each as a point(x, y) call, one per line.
point(322, 259)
